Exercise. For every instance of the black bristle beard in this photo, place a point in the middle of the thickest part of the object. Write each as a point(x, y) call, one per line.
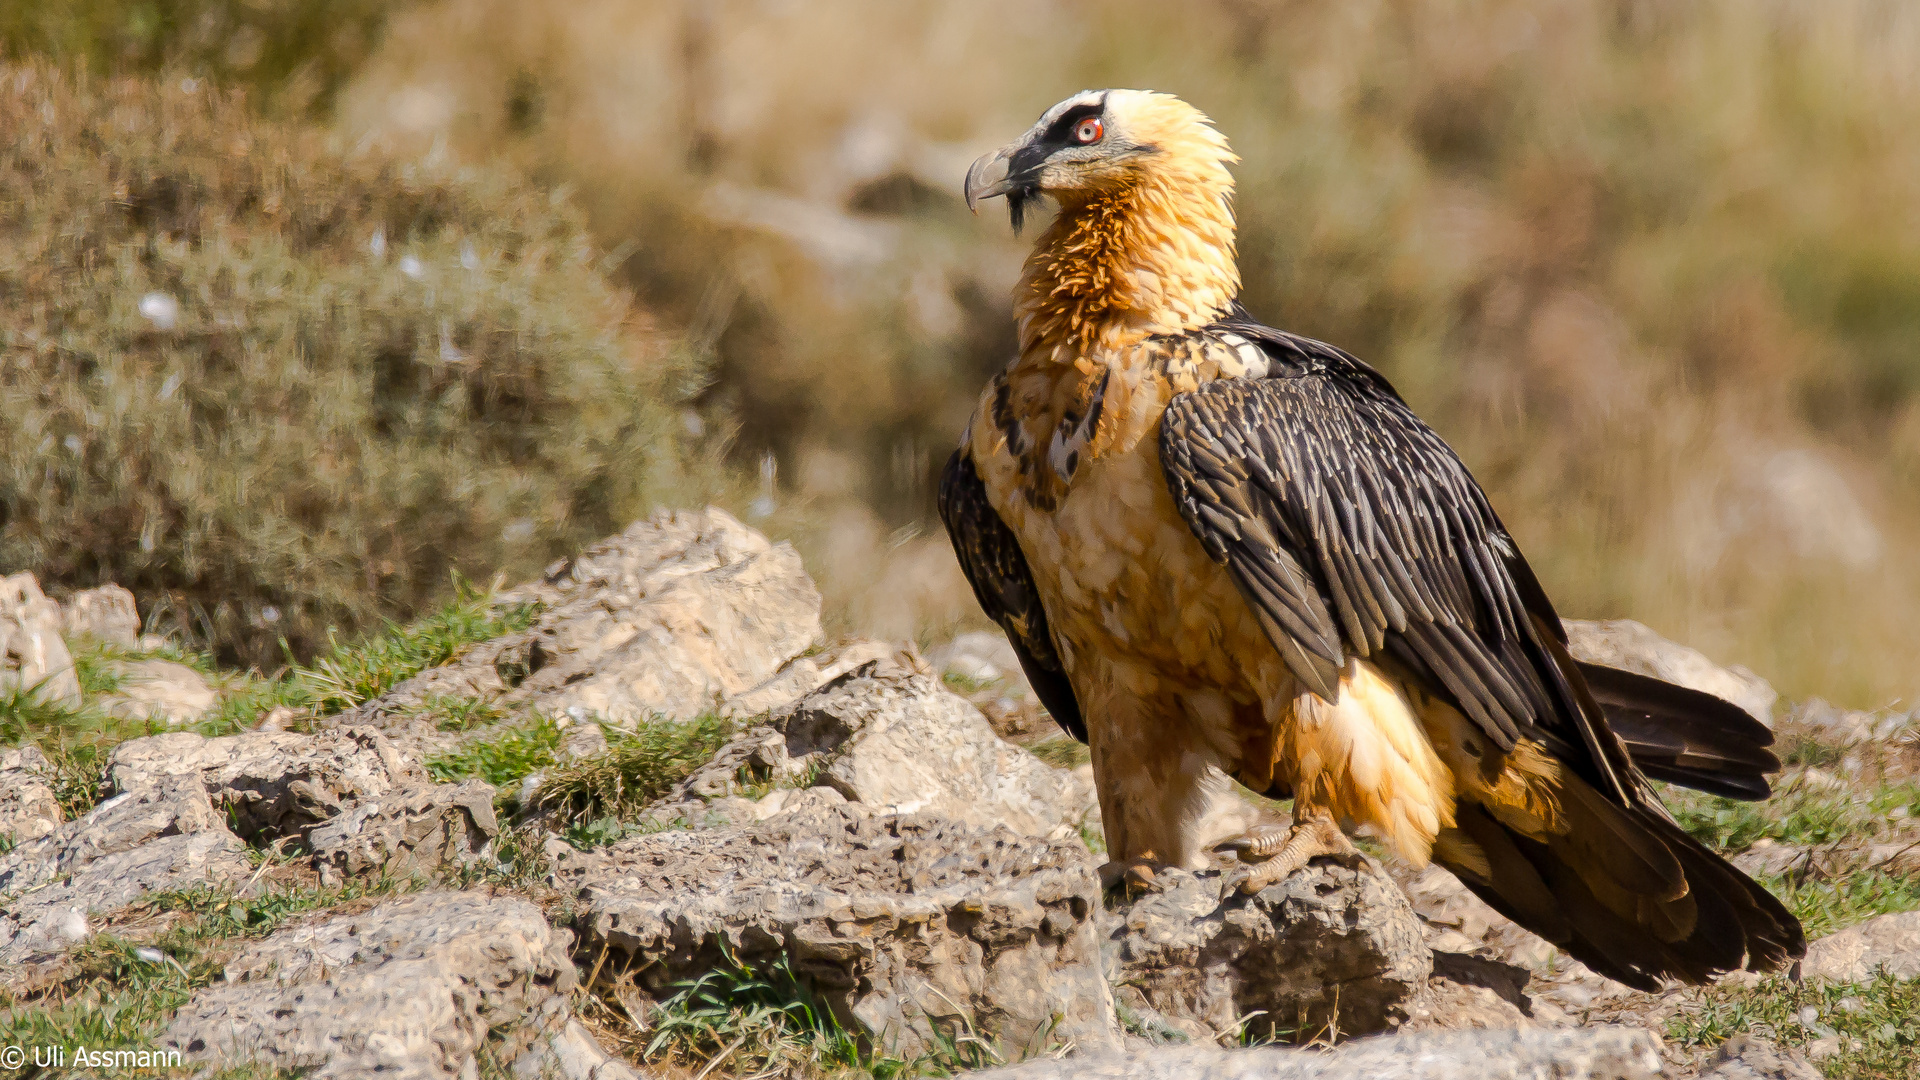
point(1017, 202)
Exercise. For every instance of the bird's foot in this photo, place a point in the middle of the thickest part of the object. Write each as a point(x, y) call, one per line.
point(1274, 851)
point(1137, 874)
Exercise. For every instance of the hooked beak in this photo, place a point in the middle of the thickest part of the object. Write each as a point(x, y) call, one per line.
point(990, 175)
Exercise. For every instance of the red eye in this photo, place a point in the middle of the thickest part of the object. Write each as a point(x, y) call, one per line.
point(1089, 130)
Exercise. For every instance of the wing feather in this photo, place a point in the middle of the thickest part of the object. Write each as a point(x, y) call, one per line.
point(1353, 529)
point(991, 558)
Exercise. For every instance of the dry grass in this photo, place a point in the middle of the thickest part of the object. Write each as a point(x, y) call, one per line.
point(277, 391)
point(1654, 268)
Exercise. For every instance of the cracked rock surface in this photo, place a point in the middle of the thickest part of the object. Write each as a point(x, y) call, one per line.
point(409, 988)
point(903, 925)
point(1334, 943)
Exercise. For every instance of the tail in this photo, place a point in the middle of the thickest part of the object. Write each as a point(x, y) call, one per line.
point(1683, 736)
point(1616, 884)
point(1702, 919)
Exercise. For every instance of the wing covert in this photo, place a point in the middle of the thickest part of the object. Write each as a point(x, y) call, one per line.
point(1353, 530)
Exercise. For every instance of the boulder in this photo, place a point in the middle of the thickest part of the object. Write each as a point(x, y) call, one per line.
point(162, 690)
point(28, 807)
point(1589, 1053)
point(33, 648)
point(681, 613)
point(407, 989)
point(894, 740)
point(1889, 942)
point(1744, 1057)
point(1333, 945)
point(106, 615)
point(901, 925)
point(271, 783)
point(1632, 646)
point(164, 836)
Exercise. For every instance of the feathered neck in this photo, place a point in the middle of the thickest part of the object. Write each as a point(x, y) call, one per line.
point(1154, 257)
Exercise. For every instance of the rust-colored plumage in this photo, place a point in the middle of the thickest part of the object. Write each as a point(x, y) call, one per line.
point(1227, 553)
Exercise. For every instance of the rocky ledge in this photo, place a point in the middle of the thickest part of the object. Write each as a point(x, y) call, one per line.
point(859, 834)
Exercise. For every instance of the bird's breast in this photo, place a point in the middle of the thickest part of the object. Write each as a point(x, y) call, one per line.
point(1070, 457)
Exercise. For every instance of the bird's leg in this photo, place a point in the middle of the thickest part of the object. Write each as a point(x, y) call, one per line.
point(1276, 852)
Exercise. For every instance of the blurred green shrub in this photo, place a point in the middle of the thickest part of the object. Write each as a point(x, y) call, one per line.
point(292, 54)
point(275, 390)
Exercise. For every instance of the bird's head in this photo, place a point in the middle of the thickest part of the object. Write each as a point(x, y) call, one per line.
point(1103, 142)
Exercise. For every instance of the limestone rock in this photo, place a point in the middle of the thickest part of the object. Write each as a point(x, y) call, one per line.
point(106, 615)
point(681, 613)
point(412, 829)
point(407, 989)
point(271, 783)
point(164, 836)
point(900, 924)
point(1589, 1053)
point(571, 1053)
point(161, 690)
point(1635, 647)
point(1889, 942)
point(1744, 1057)
point(897, 741)
point(1335, 942)
point(33, 648)
point(28, 807)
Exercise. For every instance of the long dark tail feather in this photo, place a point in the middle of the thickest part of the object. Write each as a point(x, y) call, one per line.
point(1683, 736)
point(1735, 923)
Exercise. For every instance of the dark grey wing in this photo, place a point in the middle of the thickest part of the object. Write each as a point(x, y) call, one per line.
point(997, 569)
point(1354, 530)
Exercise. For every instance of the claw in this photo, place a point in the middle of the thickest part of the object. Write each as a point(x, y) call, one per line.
point(1277, 852)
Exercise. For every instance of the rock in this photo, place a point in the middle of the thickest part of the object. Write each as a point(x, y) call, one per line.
point(1632, 646)
point(409, 988)
point(681, 613)
point(28, 807)
point(983, 668)
point(1458, 921)
point(106, 615)
point(980, 656)
point(164, 836)
point(900, 925)
point(1831, 724)
point(571, 1054)
point(1590, 1053)
point(896, 741)
point(407, 831)
point(1744, 1057)
point(1889, 942)
point(160, 690)
point(33, 649)
point(271, 783)
point(1474, 992)
point(1334, 943)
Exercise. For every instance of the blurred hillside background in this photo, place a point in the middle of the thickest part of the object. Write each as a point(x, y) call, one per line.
point(468, 282)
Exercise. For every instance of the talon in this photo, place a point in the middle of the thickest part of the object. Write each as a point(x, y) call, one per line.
point(1277, 852)
point(1257, 843)
point(1134, 874)
point(1232, 879)
point(1139, 876)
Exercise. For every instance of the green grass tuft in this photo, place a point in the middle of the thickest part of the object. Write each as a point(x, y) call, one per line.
point(503, 760)
point(1062, 753)
point(636, 768)
point(1877, 1023)
point(1800, 815)
point(348, 675)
